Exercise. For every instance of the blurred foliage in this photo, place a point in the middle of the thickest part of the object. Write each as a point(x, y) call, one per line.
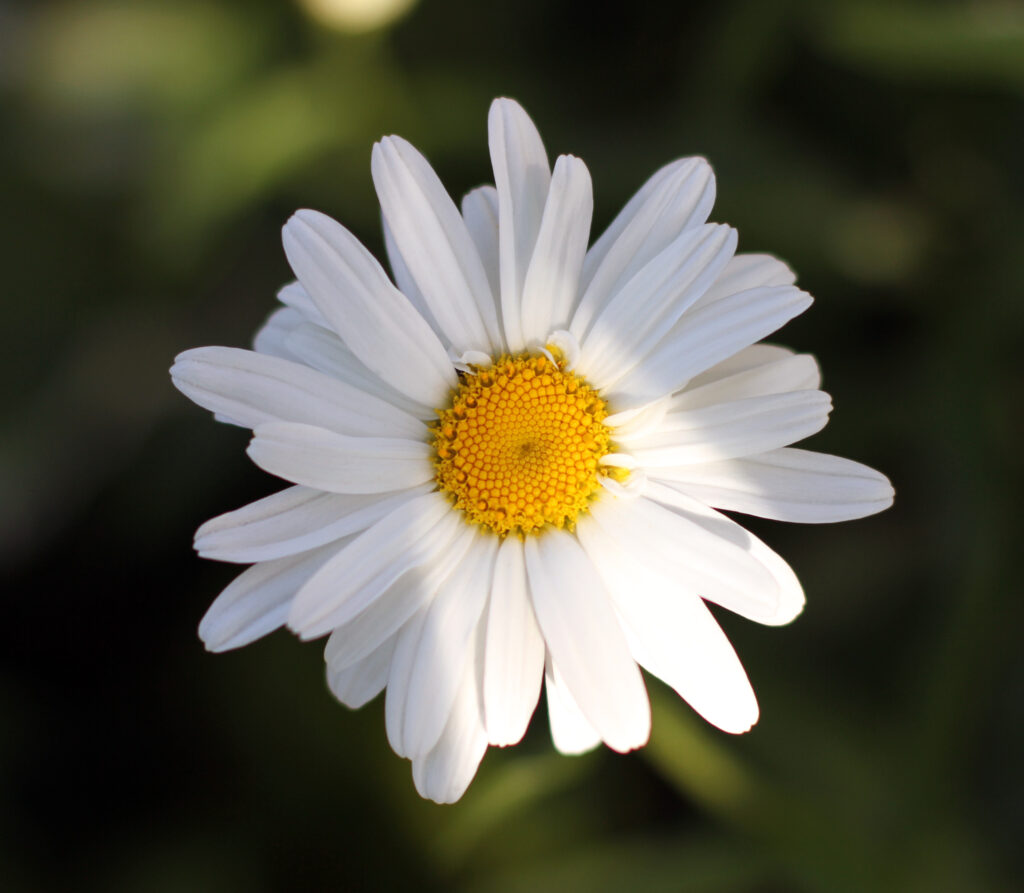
point(150, 151)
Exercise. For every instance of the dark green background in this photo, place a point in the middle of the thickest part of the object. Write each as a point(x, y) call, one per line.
point(150, 151)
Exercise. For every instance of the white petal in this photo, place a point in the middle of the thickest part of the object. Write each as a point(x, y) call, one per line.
point(726, 430)
point(293, 520)
point(436, 246)
point(513, 651)
point(272, 336)
point(374, 319)
point(791, 594)
point(359, 683)
point(638, 315)
point(421, 690)
point(316, 457)
point(443, 774)
point(710, 563)
point(357, 637)
point(675, 198)
point(403, 279)
point(787, 485)
point(793, 372)
point(295, 296)
point(254, 388)
point(746, 271)
point(586, 641)
point(748, 358)
point(480, 211)
point(550, 286)
point(707, 335)
point(256, 602)
point(570, 731)
point(410, 537)
point(673, 634)
point(522, 177)
point(321, 349)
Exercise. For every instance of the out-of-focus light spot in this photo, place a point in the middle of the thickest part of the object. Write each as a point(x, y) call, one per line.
point(356, 16)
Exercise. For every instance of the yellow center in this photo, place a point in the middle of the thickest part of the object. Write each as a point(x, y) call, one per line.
point(520, 446)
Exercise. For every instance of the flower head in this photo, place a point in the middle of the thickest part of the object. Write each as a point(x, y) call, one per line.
point(506, 462)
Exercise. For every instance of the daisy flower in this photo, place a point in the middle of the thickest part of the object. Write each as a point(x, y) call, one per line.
point(507, 459)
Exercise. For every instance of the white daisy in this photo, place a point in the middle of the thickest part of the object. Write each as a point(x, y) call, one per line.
point(504, 468)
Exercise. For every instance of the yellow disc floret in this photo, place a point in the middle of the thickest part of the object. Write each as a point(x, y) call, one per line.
point(521, 444)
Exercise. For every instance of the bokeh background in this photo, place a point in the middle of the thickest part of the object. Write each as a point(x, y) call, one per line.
point(149, 152)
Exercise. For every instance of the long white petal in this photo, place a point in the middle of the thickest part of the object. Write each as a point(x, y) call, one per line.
point(256, 602)
point(293, 520)
point(254, 388)
point(715, 564)
point(586, 641)
point(748, 358)
point(316, 457)
point(420, 701)
point(706, 336)
point(792, 372)
point(746, 271)
point(791, 594)
point(295, 296)
point(321, 349)
point(480, 211)
point(570, 731)
point(354, 639)
point(513, 651)
point(787, 485)
point(673, 634)
point(445, 772)
point(359, 683)
point(740, 428)
point(271, 337)
point(551, 283)
point(642, 312)
point(675, 198)
point(374, 319)
point(522, 176)
point(436, 246)
point(410, 537)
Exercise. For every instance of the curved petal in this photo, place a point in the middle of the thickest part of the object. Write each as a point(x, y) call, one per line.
point(361, 682)
point(786, 485)
point(644, 310)
point(673, 634)
point(550, 286)
point(570, 732)
point(422, 689)
point(586, 641)
point(706, 336)
point(316, 457)
point(293, 520)
point(320, 349)
point(256, 602)
point(746, 271)
point(716, 564)
point(374, 319)
point(443, 774)
point(480, 211)
point(790, 372)
point(725, 430)
point(522, 177)
point(272, 336)
point(513, 656)
point(411, 537)
point(254, 388)
point(435, 245)
point(677, 197)
point(791, 594)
